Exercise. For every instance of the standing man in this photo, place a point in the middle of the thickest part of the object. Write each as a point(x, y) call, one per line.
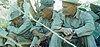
point(77, 26)
point(40, 32)
point(19, 29)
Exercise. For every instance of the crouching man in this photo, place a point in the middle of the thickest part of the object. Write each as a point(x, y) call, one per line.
point(75, 25)
point(41, 34)
point(19, 29)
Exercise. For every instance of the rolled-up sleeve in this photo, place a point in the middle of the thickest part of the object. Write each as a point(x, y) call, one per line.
point(88, 27)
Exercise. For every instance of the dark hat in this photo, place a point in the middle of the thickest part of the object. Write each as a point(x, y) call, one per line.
point(46, 3)
point(15, 14)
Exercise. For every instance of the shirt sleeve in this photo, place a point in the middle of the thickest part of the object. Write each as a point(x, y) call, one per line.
point(88, 27)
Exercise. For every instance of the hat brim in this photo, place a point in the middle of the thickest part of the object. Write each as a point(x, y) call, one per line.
point(15, 17)
point(72, 3)
point(42, 7)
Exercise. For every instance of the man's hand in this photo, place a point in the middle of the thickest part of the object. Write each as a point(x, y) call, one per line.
point(69, 37)
point(46, 36)
point(36, 33)
point(67, 31)
point(41, 35)
point(43, 38)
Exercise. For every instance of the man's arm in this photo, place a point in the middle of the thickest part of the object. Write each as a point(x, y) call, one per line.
point(25, 26)
point(37, 29)
point(88, 28)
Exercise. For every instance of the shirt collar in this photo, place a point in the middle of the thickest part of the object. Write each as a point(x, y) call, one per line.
point(77, 14)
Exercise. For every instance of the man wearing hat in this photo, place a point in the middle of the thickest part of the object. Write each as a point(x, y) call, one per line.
point(75, 25)
point(40, 33)
point(18, 29)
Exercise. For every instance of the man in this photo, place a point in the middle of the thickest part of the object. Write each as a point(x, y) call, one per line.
point(18, 29)
point(74, 24)
point(40, 32)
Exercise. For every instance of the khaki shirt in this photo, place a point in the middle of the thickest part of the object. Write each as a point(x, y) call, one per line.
point(23, 29)
point(40, 28)
point(82, 22)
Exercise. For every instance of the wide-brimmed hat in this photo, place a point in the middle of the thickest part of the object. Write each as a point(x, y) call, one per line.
point(15, 14)
point(46, 3)
point(72, 1)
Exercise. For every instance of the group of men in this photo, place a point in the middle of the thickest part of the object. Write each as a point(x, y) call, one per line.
point(71, 23)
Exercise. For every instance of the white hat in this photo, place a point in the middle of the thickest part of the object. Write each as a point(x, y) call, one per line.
point(72, 1)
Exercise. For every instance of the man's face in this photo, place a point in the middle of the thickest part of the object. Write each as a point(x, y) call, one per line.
point(45, 13)
point(17, 20)
point(20, 3)
point(68, 8)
